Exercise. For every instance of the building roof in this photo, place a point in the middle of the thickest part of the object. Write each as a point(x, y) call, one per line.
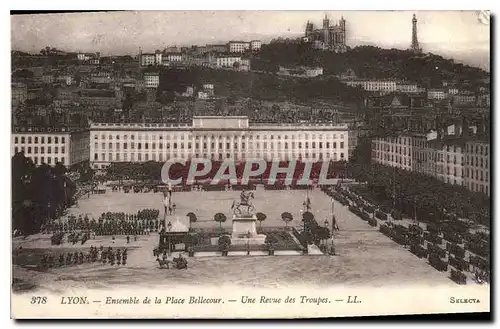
point(26, 129)
point(396, 101)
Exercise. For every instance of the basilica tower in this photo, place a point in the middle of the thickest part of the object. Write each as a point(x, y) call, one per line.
point(326, 30)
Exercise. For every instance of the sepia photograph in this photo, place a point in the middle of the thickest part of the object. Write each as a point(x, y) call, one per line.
point(250, 164)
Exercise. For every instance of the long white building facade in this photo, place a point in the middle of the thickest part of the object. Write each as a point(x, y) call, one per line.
point(51, 145)
point(216, 138)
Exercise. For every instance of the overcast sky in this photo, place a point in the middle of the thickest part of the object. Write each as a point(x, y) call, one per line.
point(459, 34)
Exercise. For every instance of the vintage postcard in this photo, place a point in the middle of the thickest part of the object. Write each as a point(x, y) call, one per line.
point(250, 164)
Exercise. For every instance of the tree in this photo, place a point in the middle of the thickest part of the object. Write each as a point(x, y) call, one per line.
point(261, 217)
point(191, 239)
point(286, 217)
point(307, 216)
point(59, 170)
point(86, 172)
point(192, 217)
point(322, 233)
point(308, 219)
point(220, 218)
point(38, 194)
point(270, 240)
point(224, 242)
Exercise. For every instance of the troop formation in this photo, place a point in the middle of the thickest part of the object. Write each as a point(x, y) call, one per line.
point(101, 254)
point(449, 244)
point(109, 223)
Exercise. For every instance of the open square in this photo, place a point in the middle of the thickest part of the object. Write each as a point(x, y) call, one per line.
point(364, 255)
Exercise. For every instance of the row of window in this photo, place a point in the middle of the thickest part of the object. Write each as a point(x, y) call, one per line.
point(117, 157)
point(41, 139)
point(481, 162)
point(421, 158)
point(212, 137)
point(189, 145)
point(394, 140)
point(475, 187)
point(48, 160)
point(477, 149)
point(480, 175)
point(397, 149)
point(36, 149)
point(398, 159)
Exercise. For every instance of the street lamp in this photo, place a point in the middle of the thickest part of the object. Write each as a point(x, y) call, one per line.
point(169, 228)
point(248, 242)
point(326, 238)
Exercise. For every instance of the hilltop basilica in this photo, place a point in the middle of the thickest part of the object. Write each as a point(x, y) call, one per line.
point(329, 37)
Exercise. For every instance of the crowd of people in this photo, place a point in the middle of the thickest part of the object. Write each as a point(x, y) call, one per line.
point(94, 255)
point(109, 223)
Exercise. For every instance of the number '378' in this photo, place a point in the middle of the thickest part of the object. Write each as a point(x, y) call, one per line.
point(38, 300)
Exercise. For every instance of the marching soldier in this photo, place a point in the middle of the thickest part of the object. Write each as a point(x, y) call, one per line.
point(51, 261)
point(124, 257)
point(104, 256)
point(68, 258)
point(43, 261)
point(118, 256)
point(111, 256)
point(61, 260)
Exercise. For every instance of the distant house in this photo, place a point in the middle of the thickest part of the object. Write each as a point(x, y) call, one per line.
point(302, 71)
point(436, 94)
point(151, 79)
point(238, 46)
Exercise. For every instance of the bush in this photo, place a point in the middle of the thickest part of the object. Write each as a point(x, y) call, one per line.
point(57, 238)
point(368, 209)
point(224, 242)
point(381, 215)
point(396, 214)
point(365, 216)
point(458, 277)
point(270, 240)
point(192, 239)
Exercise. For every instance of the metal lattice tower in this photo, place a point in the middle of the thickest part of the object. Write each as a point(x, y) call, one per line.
point(415, 47)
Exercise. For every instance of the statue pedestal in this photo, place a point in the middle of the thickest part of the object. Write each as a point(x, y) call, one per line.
point(245, 231)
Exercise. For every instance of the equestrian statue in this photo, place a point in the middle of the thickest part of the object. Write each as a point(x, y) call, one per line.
point(245, 197)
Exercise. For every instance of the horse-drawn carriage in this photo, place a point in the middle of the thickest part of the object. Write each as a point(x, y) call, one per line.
point(177, 262)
